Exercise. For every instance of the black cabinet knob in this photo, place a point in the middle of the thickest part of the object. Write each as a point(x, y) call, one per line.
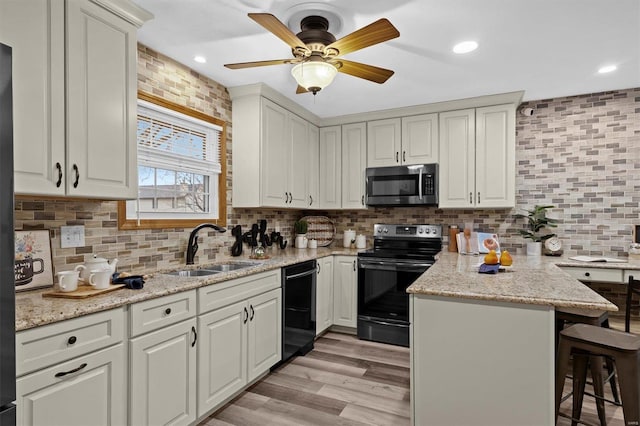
point(587, 274)
point(167, 311)
point(72, 340)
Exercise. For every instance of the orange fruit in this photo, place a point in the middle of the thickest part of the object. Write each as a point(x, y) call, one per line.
point(505, 258)
point(491, 258)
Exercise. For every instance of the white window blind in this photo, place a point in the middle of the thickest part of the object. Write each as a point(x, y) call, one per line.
point(178, 165)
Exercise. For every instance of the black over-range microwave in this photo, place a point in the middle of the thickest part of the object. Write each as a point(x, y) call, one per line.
point(402, 185)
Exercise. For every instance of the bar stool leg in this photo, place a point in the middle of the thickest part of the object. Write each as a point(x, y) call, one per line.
point(612, 381)
point(562, 365)
point(580, 362)
point(629, 387)
point(598, 387)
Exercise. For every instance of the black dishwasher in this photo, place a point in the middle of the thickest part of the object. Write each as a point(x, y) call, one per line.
point(298, 308)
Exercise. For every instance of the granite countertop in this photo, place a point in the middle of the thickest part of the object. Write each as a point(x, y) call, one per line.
point(530, 280)
point(33, 310)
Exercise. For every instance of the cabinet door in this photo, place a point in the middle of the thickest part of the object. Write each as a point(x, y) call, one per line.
point(92, 392)
point(299, 148)
point(495, 156)
point(313, 164)
point(35, 31)
point(383, 143)
point(264, 332)
point(354, 158)
point(330, 167)
point(163, 376)
point(101, 83)
point(420, 139)
point(222, 355)
point(275, 155)
point(324, 294)
point(344, 291)
point(457, 158)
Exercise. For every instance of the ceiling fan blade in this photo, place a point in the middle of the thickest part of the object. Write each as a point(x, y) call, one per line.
point(280, 30)
point(368, 72)
point(259, 63)
point(301, 89)
point(377, 32)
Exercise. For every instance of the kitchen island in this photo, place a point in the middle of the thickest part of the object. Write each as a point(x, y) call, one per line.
point(482, 345)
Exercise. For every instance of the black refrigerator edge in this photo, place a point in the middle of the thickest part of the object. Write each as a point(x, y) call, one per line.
point(7, 249)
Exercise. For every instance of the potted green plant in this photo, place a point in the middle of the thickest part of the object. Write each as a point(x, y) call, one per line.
point(536, 221)
point(300, 227)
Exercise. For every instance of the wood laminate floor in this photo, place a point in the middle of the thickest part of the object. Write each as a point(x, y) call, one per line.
point(343, 381)
point(346, 381)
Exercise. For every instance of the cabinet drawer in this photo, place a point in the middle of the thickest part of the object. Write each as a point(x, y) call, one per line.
point(158, 313)
point(219, 295)
point(595, 274)
point(54, 343)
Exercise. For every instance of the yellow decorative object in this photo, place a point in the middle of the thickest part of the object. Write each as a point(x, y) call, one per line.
point(491, 258)
point(505, 258)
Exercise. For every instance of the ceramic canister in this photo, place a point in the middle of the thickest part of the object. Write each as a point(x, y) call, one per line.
point(349, 236)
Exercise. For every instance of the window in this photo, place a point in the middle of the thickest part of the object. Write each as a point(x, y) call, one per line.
point(181, 168)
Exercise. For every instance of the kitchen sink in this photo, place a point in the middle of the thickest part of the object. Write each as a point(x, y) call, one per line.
point(193, 272)
point(213, 269)
point(227, 267)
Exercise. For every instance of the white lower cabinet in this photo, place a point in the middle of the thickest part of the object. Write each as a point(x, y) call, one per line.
point(240, 339)
point(163, 376)
point(345, 290)
point(324, 294)
point(73, 372)
point(163, 361)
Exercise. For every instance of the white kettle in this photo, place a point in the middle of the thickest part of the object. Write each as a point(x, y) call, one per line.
point(96, 263)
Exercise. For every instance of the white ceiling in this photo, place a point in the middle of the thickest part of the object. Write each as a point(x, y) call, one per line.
point(548, 48)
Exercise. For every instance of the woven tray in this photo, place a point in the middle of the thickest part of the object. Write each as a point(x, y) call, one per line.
point(321, 229)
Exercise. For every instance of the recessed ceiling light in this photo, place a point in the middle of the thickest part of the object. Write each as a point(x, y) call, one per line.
point(607, 68)
point(200, 59)
point(465, 47)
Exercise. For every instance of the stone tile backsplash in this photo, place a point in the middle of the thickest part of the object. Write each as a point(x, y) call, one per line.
point(579, 153)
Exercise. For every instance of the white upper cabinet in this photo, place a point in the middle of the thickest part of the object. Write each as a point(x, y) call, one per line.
point(477, 158)
point(354, 159)
point(271, 155)
point(313, 164)
point(74, 134)
point(419, 139)
point(406, 140)
point(330, 167)
point(383, 143)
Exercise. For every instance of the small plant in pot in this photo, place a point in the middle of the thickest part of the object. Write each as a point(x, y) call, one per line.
point(300, 227)
point(537, 220)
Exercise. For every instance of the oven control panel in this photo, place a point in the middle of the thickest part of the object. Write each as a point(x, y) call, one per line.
point(407, 231)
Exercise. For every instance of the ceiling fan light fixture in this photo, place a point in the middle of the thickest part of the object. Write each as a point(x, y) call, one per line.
point(314, 75)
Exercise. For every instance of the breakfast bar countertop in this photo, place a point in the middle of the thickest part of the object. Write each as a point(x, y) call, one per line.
point(530, 280)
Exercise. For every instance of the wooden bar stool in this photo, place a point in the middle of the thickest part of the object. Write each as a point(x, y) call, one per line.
point(587, 341)
point(568, 316)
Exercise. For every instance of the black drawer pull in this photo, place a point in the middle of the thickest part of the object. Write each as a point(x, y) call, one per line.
point(195, 336)
point(246, 315)
point(75, 370)
point(167, 311)
point(72, 340)
point(252, 313)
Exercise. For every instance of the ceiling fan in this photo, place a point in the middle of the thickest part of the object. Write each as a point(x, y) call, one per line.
point(318, 55)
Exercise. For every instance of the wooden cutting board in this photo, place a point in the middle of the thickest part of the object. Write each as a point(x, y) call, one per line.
point(82, 292)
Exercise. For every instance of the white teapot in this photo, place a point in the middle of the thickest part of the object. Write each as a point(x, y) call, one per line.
point(96, 263)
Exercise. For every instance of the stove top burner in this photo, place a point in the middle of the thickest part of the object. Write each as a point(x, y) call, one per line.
point(406, 242)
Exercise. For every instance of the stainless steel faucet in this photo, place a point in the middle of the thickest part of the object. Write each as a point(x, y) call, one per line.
point(192, 246)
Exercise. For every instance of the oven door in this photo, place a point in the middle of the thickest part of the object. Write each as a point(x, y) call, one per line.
point(383, 303)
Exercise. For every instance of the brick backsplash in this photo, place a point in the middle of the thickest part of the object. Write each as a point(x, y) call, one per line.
point(579, 153)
